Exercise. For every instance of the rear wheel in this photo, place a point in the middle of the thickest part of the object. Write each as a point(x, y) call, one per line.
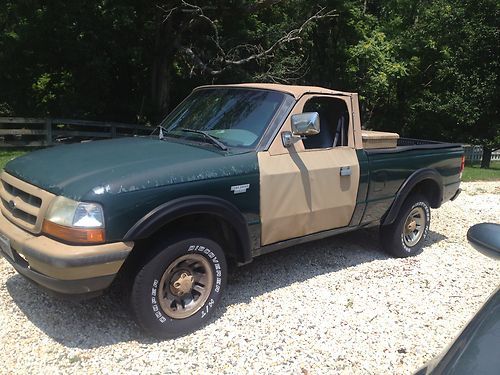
point(405, 236)
point(178, 288)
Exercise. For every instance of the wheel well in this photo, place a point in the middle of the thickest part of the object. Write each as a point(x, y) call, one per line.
point(212, 226)
point(429, 189)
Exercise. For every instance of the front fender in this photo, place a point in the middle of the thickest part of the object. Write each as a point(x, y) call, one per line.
point(190, 205)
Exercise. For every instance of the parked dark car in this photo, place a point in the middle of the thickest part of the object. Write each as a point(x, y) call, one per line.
point(476, 350)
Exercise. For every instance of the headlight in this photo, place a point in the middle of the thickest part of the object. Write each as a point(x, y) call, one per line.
point(72, 221)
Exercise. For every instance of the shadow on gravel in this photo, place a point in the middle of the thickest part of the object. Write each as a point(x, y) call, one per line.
point(303, 262)
point(105, 320)
point(84, 324)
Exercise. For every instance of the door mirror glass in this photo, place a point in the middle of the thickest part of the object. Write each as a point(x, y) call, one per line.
point(305, 124)
point(485, 238)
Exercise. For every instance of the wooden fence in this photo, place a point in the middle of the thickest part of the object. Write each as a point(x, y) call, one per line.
point(38, 132)
point(41, 132)
point(474, 154)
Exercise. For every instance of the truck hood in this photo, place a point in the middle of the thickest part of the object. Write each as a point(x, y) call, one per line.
point(114, 166)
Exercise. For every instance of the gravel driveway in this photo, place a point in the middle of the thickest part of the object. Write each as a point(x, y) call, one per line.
point(337, 305)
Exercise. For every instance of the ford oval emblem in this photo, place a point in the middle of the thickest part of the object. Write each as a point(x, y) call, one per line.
point(12, 205)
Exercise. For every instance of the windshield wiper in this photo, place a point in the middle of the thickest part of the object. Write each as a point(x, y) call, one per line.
point(211, 138)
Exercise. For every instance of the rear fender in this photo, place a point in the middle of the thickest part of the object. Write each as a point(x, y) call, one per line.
point(409, 186)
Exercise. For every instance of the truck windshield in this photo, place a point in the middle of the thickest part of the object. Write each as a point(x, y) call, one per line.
point(235, 117)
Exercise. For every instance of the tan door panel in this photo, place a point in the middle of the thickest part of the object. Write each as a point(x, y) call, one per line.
point(304, 193)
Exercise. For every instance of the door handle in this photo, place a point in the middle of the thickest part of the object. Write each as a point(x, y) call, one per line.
point(345, 171)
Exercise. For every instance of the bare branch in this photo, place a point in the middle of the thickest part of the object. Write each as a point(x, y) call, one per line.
point(259, 51)
point(287, 38)
point(201, 15)
point(198, 62)
point(168, 12)
point(289, 72)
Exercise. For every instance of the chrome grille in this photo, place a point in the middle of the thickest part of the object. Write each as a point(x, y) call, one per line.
point(23, 203)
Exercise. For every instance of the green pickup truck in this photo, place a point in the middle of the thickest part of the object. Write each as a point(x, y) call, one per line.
point(234, 172)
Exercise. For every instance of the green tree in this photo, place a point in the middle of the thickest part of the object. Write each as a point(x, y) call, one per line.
point(426, 69)
point(453, 50)
point(125, 59)
point(71, 58)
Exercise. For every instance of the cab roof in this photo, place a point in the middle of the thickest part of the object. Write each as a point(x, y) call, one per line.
point(295, 90)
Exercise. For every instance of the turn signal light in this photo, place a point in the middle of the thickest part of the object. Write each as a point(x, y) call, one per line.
point(75, 235)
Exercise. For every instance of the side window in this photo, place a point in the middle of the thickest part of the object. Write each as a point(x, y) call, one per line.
point(334, 123)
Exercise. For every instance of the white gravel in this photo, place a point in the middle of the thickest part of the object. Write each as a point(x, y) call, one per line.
point(338, 305)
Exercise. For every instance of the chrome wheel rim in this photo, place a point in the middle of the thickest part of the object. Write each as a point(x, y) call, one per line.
point(414, 227)
point(185, 286)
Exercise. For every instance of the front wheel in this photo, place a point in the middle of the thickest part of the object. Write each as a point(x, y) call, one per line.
point(406, 235)
point(178, 289)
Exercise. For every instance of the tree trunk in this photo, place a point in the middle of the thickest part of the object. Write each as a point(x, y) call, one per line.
point(161, 71)
point(161, 87)
point(485, 161)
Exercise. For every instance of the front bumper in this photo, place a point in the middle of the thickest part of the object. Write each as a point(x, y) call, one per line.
point(63, 268)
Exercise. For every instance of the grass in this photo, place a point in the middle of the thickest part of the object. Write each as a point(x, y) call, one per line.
point(7, 155)
point(475, 173)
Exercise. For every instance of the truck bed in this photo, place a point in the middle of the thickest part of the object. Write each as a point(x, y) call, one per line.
point(390, 167)
point(408, 144)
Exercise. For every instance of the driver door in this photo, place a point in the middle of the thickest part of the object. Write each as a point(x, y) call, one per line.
point(302, 188)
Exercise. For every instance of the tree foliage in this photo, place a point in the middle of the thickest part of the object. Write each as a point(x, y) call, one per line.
point(427, 69)
point(455, 47)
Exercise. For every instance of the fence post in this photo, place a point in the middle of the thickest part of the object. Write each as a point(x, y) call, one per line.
point(48, 131)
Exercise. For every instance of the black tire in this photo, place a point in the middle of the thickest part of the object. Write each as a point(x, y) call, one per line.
point(398, 238)
point(170, 267)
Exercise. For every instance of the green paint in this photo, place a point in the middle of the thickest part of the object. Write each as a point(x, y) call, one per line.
point(132, 176)
point(388, 172)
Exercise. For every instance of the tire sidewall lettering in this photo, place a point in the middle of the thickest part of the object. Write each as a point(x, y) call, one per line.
point(155, 304)
point(216, 288)
point(206, 251)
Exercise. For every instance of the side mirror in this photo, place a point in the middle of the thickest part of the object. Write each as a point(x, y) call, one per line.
point(485, 238)
point(305, 124)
